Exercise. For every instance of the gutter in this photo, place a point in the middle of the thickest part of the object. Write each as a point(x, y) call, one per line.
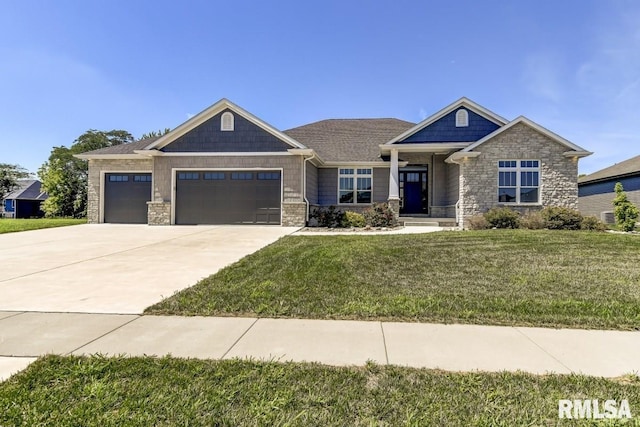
point(304, 185)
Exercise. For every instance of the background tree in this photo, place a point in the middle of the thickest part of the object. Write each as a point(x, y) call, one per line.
point(624, 211)
point(9, 176)
point(155, 134)
point(64, 177)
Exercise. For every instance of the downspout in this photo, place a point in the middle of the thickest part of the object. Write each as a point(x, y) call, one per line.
point(304, 185)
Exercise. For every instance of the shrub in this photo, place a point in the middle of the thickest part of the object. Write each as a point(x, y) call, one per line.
point(533, 221)
point(477, 222)
point(592, 223)
point(502, 218)
point(353, 219)
point(380, 215)
point(559, 218)
point(328, 217)
point(625, 212)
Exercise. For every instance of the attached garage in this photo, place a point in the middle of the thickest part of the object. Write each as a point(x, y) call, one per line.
point(228, 197)
point(126, 196)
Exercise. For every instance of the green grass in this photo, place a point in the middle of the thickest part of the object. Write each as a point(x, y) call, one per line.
point(96, 391)
point(510, 277)
point(14, 225)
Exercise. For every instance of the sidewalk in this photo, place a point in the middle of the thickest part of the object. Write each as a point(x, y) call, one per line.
point(27, 335)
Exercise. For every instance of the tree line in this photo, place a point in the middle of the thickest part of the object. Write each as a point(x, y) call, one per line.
point(63, 176)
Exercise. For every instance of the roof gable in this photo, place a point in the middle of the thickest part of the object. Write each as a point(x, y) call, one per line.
point(442, 125)
point(546, 132)
point(202, 133)
point(445, 130)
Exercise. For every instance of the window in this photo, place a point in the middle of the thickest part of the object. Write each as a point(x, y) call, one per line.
point(227, 122)
point(269, 175)
point(462, 118)
point(354, 185)
point(118, 178)
point(242, 175)
point(213, 176)
point(142, 178)
point(188, 176)
point(519, 181)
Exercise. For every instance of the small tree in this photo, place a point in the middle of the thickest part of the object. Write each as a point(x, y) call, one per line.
point(624, 211)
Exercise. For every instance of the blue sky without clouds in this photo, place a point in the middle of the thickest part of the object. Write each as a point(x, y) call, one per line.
point(67, 66)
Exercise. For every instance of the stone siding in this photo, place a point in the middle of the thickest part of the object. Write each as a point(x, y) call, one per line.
point(479, 176)
point(294, 214)
point(159, 213)
point(96, 168)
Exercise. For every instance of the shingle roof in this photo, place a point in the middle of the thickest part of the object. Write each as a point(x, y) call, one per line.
point(124, 148)
point(627, 167)
point(348, 139)
point(28, 189)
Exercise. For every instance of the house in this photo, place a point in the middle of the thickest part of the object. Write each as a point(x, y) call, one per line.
point(25, 200)
point(226, 166)
point(596, 190)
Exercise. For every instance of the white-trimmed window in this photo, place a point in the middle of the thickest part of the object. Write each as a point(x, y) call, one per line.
point(519, 181)
point(227, 121)
point(355, 185)
point(462, 118)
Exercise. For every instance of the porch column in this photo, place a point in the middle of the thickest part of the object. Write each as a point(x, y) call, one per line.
point(394, 191)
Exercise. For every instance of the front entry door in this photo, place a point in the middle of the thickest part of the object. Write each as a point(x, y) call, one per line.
point(413, 192)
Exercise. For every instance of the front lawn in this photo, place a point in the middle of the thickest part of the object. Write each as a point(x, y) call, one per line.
point(96, 391)
point(8, 225)
point(504, 277)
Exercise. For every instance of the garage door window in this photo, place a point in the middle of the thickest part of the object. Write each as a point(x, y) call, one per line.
point(269, 175)
point(188, 176)
point(214, 176)
point(242, 175)
point(142, 178)
point(118, 178)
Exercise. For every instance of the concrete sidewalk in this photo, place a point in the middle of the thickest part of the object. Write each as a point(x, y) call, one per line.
point(26, 335)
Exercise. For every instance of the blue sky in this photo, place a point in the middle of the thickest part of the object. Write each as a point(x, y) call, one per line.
point(573, 66)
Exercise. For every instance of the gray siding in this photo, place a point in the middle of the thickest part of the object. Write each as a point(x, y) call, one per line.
point(453, 183)
point(246, 137)
point(438, 177)
point(380, 185)
point(312, 184)
point(327, 186)
point(597, 203)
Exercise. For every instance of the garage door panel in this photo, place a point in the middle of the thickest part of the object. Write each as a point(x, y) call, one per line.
point(230, 197)
point(126, 196)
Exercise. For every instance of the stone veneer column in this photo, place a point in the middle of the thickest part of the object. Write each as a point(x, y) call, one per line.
point(159, 213)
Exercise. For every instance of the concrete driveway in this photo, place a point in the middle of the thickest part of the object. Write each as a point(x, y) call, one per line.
point(110, 268)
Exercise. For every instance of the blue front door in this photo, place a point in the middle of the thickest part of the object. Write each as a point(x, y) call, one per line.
point(413, 192)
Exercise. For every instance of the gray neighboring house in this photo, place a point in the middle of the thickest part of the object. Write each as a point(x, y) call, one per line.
point(25, 200)
point(596, 191)
point(226, 166)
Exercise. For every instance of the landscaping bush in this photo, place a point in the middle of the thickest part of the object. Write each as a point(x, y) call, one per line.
point(353, 219)
point(477, 222)
point(380, 215)
point(625, 212)
point(592, 223)
point(533, 221)
point(560, 218)
point(327, 217)
point(502, 218)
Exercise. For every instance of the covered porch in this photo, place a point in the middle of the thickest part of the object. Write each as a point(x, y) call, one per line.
point(423, 188)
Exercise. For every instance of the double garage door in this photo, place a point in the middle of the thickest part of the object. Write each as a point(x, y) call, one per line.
point(228, 197)
point(201, 197)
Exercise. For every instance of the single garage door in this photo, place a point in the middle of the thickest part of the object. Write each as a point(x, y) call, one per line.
point(126, 196)
point(228, 197)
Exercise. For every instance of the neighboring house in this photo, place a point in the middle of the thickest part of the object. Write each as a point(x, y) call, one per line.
point(227, 166)
point(596, 191)
point(24, 201)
